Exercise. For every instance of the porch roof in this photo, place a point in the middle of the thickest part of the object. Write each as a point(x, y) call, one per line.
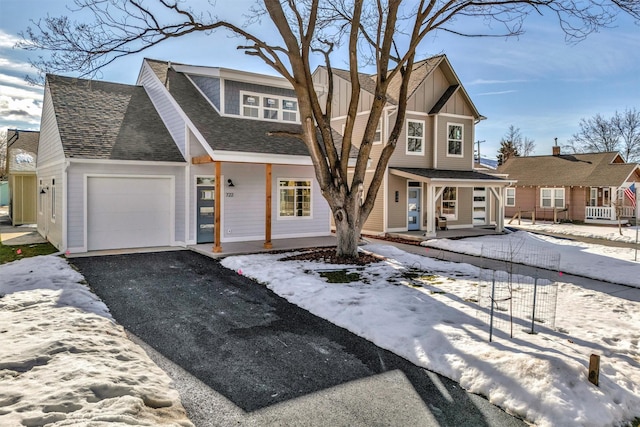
point(459, 177)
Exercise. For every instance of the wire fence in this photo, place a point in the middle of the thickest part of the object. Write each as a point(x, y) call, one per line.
point(515, 298)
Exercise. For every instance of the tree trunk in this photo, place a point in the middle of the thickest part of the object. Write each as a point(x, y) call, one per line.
point(347, 233)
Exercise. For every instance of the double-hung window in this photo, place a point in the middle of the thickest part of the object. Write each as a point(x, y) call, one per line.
point(415, 137)
point(552, 197)
point(454, 140)
point(377, 137)
point(449, 205)
point(269, 107)
point(294, 199)
point(511, 197)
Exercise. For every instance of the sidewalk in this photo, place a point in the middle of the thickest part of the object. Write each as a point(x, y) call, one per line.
point(21, 235)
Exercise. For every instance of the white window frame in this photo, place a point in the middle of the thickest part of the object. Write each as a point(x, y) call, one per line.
point(261, 99)
point(295, 187)
point(453, 216)
point(593, 196)
point(461, 140)
point(377, 136)
point(553, 198)
point(421, 138)
point(507, 197)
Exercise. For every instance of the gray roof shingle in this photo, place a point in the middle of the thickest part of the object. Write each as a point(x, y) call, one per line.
point(590, 169)
point(449, 174)
point(101, 120)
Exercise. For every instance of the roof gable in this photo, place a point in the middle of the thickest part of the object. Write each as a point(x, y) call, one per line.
point(102, 120)
point(589, 169)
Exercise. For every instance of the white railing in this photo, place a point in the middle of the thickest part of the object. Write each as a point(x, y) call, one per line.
point(609, 213)
point(600, 212)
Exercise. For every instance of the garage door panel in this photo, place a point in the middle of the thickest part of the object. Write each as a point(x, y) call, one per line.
point(124, 212)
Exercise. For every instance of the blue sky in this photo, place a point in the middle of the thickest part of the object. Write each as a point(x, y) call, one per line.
point(537, 82)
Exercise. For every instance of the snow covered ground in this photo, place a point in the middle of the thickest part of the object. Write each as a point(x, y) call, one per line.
point(606, 232)
point(607, 263)
point(63, 361)
point(540, 377)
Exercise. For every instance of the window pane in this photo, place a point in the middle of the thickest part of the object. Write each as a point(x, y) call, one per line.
point(415, 144)
point(289, 116)
point(455, 147)
point(290, 105)
point(271, 114)
point(250, 112)
point(455, 132)
point(415, 129)
point(270, 102)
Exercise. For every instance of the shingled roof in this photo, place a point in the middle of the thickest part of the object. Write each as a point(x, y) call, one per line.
point(224, 133)
point(26, 140)
point(589, 170)
point(101, 120)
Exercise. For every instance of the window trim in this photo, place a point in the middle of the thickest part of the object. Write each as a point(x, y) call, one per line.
point(53, 200)
point(553, 198)
point(377, 136)
point(449, 124)
point(424, 128)
point(261, 108)
point(294, 217)
point(506, 197)
point(453, 217)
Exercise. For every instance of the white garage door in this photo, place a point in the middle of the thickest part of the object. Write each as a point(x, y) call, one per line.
point(125, 212)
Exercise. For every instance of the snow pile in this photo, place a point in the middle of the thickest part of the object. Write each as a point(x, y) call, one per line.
point(541, 378)
point(63, 361)
point(605, 232)
point(611, 264)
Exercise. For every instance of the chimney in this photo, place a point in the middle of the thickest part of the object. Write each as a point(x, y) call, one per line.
point(556, 148)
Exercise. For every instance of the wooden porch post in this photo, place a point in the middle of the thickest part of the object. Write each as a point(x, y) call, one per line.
point(267, 215)
point(217, 248)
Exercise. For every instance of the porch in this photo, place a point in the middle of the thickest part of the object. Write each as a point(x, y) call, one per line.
point(607, 214)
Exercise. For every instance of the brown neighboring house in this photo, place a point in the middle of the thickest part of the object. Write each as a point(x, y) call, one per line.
point(22, 153)
point(585, 187)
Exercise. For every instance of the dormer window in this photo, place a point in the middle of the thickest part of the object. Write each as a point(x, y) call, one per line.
point(269, 107)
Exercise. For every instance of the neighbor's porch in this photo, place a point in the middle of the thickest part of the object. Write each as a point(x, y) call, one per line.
point(607, 205)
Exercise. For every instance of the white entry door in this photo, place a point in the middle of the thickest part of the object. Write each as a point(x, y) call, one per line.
point(479, 206)
point(129, 212)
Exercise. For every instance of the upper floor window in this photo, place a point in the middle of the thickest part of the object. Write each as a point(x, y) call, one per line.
point(511, 197)
point(454, 140)
point(415, 137)
point(377, 137)
point(269, 107)
point(294, 198)
point(552, 197)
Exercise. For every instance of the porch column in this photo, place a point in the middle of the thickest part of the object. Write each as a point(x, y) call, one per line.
point(499, 195)
point(431, 211)
point(267, 205)
point(217, 248)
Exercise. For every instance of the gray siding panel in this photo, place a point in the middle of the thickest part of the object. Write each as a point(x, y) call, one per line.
point(210, 86)
point(400, 158)
point(244, 204)
point(455, 163)
point(51, 229)
point(166, 109)
point(232, 93)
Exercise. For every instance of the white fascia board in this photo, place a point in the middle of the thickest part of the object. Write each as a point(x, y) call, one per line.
point(247, 157)
point(126, 162)
point(255, 78)
point(471, 182)
point(197, 70)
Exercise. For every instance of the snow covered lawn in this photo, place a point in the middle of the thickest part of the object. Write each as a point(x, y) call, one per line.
point(607, 263)
point(541, 378)
point(63, 360)
point(605, 232)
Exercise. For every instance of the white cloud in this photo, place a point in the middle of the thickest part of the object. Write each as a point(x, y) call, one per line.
point(495, 82)
point(501, 92)
point(22, 111)
point(7, 40)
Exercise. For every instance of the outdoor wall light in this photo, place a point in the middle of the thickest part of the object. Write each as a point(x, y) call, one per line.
point(43, 191)
point(230, 183)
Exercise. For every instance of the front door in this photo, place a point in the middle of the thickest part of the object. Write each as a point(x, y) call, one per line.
point(205, 213)
point(414, 207)
point(479, 206)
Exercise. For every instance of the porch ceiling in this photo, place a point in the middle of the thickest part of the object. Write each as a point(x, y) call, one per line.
point(461, 178)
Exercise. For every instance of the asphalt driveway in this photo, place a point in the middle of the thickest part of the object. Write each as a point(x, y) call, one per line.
point(251, 345)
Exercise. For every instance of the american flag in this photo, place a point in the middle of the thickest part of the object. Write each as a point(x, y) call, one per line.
point(631, 194)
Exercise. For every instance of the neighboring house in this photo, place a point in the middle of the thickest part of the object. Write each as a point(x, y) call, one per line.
point(431, 172)
point(22, 154)
point(181, 158)
point(584, 187)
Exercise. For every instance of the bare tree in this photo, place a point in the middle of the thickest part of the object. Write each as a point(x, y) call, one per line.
point(628, 126)
point(523, 146)
point(384, 33)
point(596, 134)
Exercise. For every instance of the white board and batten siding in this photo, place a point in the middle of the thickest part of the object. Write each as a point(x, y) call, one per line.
point(128, 191)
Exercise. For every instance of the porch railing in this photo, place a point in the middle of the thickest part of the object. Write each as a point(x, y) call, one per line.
point(609, 213)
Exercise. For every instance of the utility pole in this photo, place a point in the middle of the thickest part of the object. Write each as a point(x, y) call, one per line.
point(479, 142)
